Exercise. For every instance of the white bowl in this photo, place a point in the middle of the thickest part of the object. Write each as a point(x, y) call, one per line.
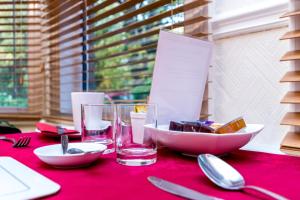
point(196, 143)
point(53, 155)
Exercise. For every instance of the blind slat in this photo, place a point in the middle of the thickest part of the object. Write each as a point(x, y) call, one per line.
point(291, 98)
point(109, 12)
point(291, 35)
point(18, 2)
point(292, 76)
point(291, 55)
point(75, 8)
point(291, 118)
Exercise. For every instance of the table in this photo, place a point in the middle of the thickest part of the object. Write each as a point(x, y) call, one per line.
point(106, 179)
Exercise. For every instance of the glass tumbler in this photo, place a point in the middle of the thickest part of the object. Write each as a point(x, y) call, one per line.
point(135, 144)
point(98, 124)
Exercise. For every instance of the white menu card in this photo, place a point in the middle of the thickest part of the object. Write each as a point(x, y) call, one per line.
point(179, 77)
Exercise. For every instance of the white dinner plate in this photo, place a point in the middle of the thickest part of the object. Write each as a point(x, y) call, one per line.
point(195, 143)
point(20, 182)
point(53, 155)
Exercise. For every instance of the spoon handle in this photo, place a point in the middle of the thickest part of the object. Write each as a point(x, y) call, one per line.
point(266, 192)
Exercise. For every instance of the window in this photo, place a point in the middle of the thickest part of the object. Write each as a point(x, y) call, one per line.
point(109, 46)
point(20, 56)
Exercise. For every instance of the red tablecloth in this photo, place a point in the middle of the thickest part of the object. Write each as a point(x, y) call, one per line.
point(108, 180)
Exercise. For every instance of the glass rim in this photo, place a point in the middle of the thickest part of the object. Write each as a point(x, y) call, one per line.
point(87, 93)
point(117, 105)
point(96, 104)
point(136, 104)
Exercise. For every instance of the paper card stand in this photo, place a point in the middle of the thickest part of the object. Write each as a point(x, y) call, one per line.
point(179, 77)
point(138, 122)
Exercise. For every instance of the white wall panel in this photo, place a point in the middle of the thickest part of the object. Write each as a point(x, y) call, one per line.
point(246, 74)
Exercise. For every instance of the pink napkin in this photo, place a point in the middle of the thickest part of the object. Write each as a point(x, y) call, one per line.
point(44, 127)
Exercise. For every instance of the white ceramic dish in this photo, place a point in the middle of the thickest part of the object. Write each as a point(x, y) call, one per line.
point(53, 155)
point(196, 143)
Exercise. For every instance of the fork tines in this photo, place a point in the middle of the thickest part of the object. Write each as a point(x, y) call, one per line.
point(22, 142)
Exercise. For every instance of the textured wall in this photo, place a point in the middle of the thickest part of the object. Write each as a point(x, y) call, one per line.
point(245, 77)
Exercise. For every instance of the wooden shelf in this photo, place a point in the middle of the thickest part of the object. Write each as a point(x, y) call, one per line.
point(291, 13)
point(293, 76)
point(291, 35)
point(291, 118)
point(292, 98)
point(291, 55)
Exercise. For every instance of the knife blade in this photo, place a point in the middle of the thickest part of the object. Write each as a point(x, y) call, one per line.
point(179, 190)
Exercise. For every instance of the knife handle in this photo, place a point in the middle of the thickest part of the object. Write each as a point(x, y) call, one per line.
point(64, 143)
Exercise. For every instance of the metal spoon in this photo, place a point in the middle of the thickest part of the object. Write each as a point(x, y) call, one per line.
point(78, 151)
point(225, 176)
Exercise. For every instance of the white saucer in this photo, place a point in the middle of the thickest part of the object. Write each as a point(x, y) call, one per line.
point(53, 155)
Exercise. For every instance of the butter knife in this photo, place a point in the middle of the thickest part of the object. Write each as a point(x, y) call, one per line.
point(64, 140)
point(179, 190)
point(64, 143)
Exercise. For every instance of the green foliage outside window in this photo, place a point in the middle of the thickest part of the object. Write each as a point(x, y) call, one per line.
point(13, 87)
point(117, 70)
point(115, 74)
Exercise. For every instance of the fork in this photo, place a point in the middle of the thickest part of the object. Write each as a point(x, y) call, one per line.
point(21, 142)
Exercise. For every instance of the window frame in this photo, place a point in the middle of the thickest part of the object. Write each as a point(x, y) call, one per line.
point(259, 17)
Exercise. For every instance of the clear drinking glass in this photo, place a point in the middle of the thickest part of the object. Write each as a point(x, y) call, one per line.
point(98, 124)
point(135, 144)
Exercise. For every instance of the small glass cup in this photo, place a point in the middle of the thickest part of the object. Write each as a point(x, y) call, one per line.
point(135, 144)
point(98, 124)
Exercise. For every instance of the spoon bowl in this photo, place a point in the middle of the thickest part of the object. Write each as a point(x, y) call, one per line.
point(220, 173)
point(226, 177)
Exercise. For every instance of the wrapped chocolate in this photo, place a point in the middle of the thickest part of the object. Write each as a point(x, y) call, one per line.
point(190, 126)
point(208, 126)
point(206, 129)
point(176, 126)
point(206, 122)
point(232, 126)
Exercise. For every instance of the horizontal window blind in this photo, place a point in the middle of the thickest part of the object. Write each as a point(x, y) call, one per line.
point(20, 57)
point(109, 46)
point(292, 77)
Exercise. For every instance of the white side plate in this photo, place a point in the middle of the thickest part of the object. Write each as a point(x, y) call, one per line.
point(53, 155)
point(20, 182)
